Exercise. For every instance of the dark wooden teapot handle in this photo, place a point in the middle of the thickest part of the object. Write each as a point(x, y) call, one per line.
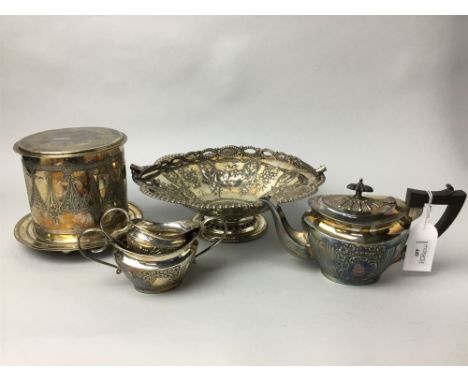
point(415, 199)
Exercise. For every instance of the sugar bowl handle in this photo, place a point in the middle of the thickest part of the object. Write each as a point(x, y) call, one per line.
point(453, 199)
point(215, 243)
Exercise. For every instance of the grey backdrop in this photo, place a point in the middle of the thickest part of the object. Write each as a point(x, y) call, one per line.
point(384, 98)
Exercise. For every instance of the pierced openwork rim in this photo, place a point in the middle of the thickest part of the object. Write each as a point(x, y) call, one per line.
point(144, 174)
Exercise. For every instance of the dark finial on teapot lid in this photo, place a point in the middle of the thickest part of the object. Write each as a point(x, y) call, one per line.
point(358, 209)
point(359, 187)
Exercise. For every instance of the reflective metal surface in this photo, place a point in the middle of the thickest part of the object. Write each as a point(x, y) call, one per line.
point(69, 142)
point(25, 233)
point(152, 275)
point(151, 268)
point(228, 183)
point(148, 273)
point(232, 230)
point(145, 236)
point(359, 209)
point(72, 175)
point(355, 238)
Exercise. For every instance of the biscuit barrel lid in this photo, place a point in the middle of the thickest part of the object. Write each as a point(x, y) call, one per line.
point(69, 142)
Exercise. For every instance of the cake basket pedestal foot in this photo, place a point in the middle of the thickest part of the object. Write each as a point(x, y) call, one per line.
point(237, 230)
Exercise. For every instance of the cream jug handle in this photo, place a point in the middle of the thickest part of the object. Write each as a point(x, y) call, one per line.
point(96, 250)
point(128, 222)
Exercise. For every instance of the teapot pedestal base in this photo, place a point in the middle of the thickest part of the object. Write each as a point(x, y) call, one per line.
point(237, 230)
point(354, 282)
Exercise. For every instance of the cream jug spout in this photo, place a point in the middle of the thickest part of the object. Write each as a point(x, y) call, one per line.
point(295, 242)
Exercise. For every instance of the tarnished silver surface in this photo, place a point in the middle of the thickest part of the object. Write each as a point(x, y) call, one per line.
point(149, 273)
point(145, 236)
point(228, 183)
point(72, 175)
point(69, 142)
point(232, 230)
point(25, 233)
point(355, 238)
point(151, 268)
point(65, 195)
point(153, 276)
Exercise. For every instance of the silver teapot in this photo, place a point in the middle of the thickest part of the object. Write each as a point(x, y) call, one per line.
point(355, 238)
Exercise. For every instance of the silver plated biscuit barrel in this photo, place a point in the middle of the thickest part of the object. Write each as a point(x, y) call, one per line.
point(72, 175)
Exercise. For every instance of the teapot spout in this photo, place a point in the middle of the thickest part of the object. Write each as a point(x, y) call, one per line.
point(295, 242)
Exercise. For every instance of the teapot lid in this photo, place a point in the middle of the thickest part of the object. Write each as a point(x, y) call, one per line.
point(358, 209)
